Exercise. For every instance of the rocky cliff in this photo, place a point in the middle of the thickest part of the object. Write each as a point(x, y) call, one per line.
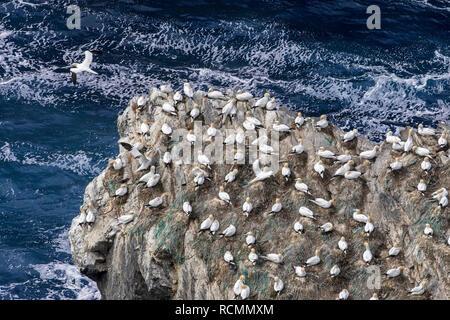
point(160, 254)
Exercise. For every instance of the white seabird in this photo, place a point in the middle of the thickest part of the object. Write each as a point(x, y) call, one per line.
point(394, 272)
point(286, 171)
point(278, 285)
point(187, 208)
point(121, 191)
point(153, 180)
point(426, 164)
point(300, 271)
point(390, 138)
point(301, 186)
point(369, 154)
point(228, 257)
point(190, 137)
point(342, 244)
point(188, 90)
point(326, 227)
point(424, 152)
point(304, 211)
point(314, 260)
point(144, 127)
point(367, 255)
point(443, 202)
point(229, 231)
point(240, 136)
point(84, 66)
point(155, 202)
point(243, 96)
point(231, 176)
point(442, 142)
point(343, 158)
point(343, 295)
point(322, 123)
point(206, 224)
point(260, 174)
point(272, 104)
point(147, 176)
point(359, 217)
point(327, 154)
point(260, 140)
point(228, 109)
point(215, 225)
point(166, 129)
point(349, 136)
point(229, 140)
point(224, 196)
point(369, 227)
point(212, 131)
point(169, 108)
point(167, 158)
point(335, 271)
point(145, 161)
point(409, 141)
point(134, 149)
point(126, 218)
point(177, 97)
point(117, 164)
point(261, 103)
point(238, 286)
point(276, 207)
point(427, 230)
point(195, 112)
point(245, 291)
point(203, 160)
point(215, 94)
point(299, 120)
point(274, 257)
point(247, 207)
point(82, 216)
point(298, 148)
point(395, 250)
point(239, 156)
point(396, 165)
point(419, 290)
point(352, 175)
point(344, 168)
point(166, 88)
point(298, 227)
point(90, 216)
point(319, 168)
point(250, 239)
point(253, 256)
point(280, 127)
point(425, 131)
point(199, 180)
point(374, 296)
point(323, 203)
point(422, 186)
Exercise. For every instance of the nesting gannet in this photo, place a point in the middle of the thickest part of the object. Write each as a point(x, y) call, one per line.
point(239, 156)
point(195, 112)
point(215, 225)
point(369, 154)
point(166, 129)
point(395, 250)
point(238, 285)
point(249, 126)
point(326, 227)
point(147, 176)
point(261, 103)
point(229, 109)
point(344, 168)
point(155, 202)
point(400, 146)
point(264, 148)
point(224, 196)
point(199, 180)
point(82, 216)
point(126, 218)
point(134, 149)
point(153, 180)
point(369, 227)
point(90, 216)
point(272, 104)
point(425, 131)
point(301, 186)
point(169, 108)
point(278, 285)
point(352, 175)
point(343, 158)
point(442, 142)
point(144, 127)
point(298, 227)
point(253, 256)
point(240, 136)
point(322, 123)
point(427, 230)
point(286, 171)
point(190, 137)
point(187, 208)
point(274, 257)
point(322, 152)
point(426, 164)
point(84, 66)
point(280, 127)
point(422, 186)
point(395, 272)
point(335, 271)
point(244, 96)
point(177, 97)
point(260, 140)
point(229, 231)
point(409, 141)
point(443, 202)
point(343, 295)
point(167, 158)
point(247, 207)
point(166, 88)
point(314, 260)
point(145, 161)
point(206, 224)
point(442, 192)
point(349, 136)
point(367, 255)
point(304, 211)
point(250, 239)
point(424, 152)
point(298, 148)
point(419, 290)
point(319, 168)
point(215, 94)
point(390, 138)
point(300, 271)
point(342, 244)
point(203, 160)
point(245, 291)
point(117, 164)
point(188, 90)
point(212, 131)
point(396, 165)
point(276, 207)
point(323, 203)
point(374, 296)
point(229, 140)
point(141, 101)
point(359, 217)
point(231, 176)
point(228, 257)
point(121, 191)
point(299, 120)
point(260, 174)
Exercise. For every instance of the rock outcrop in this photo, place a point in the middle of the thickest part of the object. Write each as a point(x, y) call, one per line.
point(160, 253)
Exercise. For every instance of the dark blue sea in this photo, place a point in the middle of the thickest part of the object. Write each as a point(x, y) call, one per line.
point(315, 56)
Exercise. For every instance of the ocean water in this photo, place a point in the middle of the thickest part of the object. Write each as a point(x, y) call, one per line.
point(315, 56)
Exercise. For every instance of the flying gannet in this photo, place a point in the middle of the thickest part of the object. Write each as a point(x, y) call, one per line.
point(299, 120)
point(286, 171)
point(228, 232)
point(253, 256)
point(250, 239)
point(395, 272)
point(314, 260)
point(323, 203)
point(419, 290)
point(247, 207)
point(278, 285)
point(327, 154)
point(260, 174)
point(425, 131)
point(322, 123)
point(261, 103)
point(84, 66)
point(319, 168)
point(301, 186)
point(349, 136)
point(342, 244)
point(367, 255)
point(304, 211)
point(121, 191)
point(335, 271)
point(298, 227)
point(215, 225)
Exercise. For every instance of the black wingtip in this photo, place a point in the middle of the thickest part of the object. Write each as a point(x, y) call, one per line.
point(96, 51)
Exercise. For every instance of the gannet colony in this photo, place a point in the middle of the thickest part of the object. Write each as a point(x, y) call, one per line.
point(224, 195)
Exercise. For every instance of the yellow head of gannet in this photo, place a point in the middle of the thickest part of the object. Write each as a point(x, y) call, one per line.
point(277, 200)
point(323, 117)
point(425, 159)
point(273, 100)
point(266, 94)
point(351, 162)
point(212, 125)
point(342, 238)
point(355, 130)
point(252, 250)
point(248, 200)
point(299, 114)
point(316, 252)
point(366, 244)
point(299, 180)
point(286, 165)
point(358, 211)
